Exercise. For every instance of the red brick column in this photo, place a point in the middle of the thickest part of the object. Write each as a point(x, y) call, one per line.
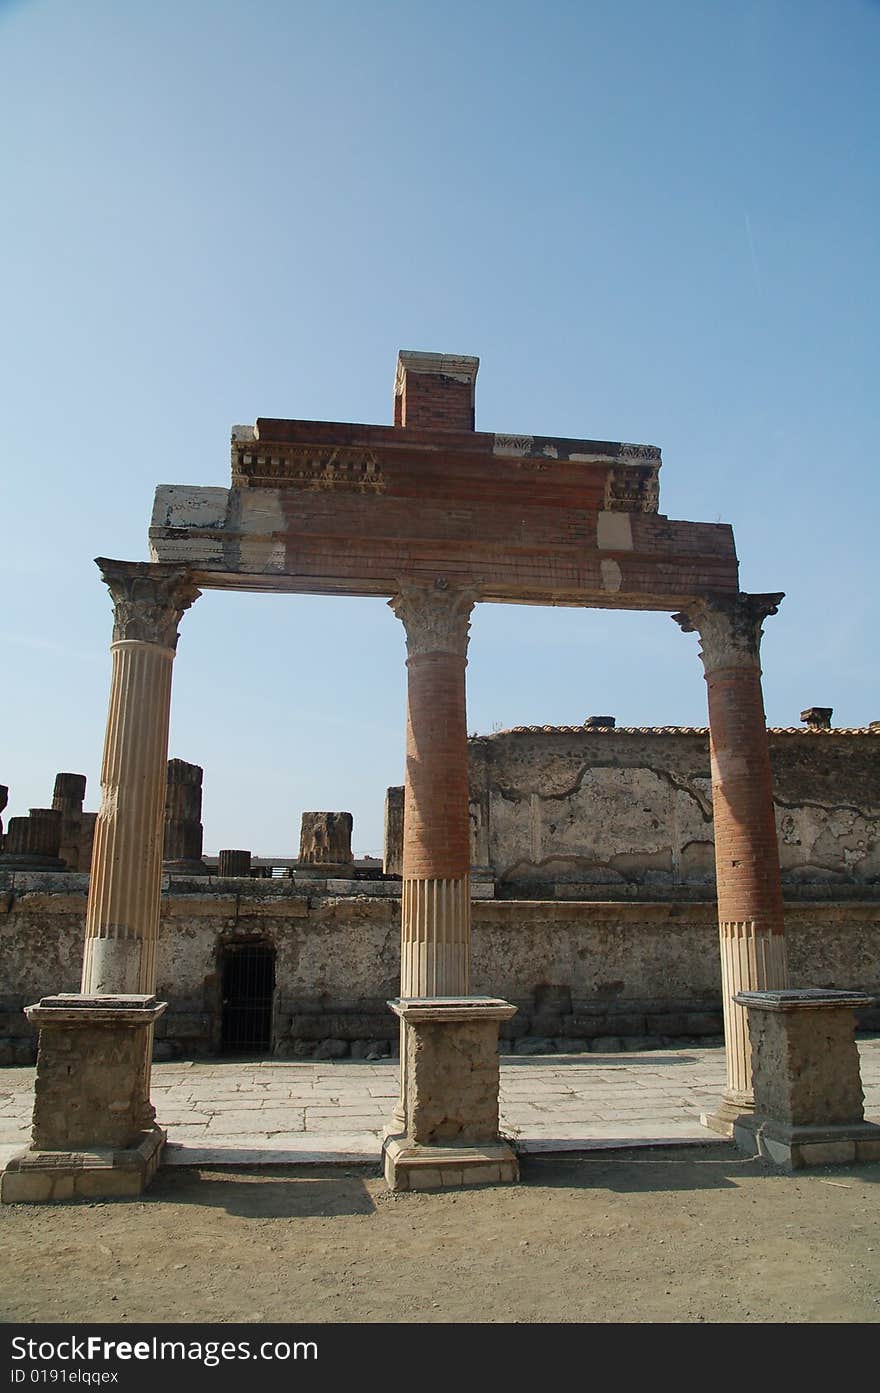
point(750, 909)
point(435, 931)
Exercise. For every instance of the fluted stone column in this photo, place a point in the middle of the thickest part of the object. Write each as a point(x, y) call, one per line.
point(122, 919)
point(435, 933)
point(233, 863)
point(750, 907)
point(33, 842)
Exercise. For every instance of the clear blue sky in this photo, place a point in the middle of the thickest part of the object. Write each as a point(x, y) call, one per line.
point(652, 222)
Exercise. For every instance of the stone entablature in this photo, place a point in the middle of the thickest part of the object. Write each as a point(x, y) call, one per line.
point(343, 508)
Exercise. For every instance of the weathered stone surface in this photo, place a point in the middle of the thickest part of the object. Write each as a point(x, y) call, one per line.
point(77, 827)
point(805, 1062)
point(452, 1083)
point(614, 813)
point(92, 1071)
point(392, 860)
point(340, 956)
point(182, 836)
point(325, 840)
point(34, 841)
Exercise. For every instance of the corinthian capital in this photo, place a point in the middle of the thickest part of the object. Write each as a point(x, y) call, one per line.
point(435, 615)
point(730, 628)
point(149, 599)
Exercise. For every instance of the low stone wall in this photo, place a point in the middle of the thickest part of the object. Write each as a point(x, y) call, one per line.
point(585, 975)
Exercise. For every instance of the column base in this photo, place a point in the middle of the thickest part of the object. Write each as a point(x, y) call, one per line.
point(734, 1105)
point(36, 1177)
point(794, 1148)
point(412, 1167)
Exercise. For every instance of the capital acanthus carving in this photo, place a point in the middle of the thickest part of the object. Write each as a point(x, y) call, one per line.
point(435, 615)
point(729, 628)
point(149, 599)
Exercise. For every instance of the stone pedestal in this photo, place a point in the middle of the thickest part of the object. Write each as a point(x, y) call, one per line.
point(808, 1100)
point(450, 1078)
point(94, 1128)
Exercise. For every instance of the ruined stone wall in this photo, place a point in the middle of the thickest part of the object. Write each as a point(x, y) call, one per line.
point(584, 975)
point(623, 813)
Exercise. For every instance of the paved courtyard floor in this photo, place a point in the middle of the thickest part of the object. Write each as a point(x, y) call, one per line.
point(233, 1112)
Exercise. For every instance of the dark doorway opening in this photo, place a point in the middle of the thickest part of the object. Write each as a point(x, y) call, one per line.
point(248, 976)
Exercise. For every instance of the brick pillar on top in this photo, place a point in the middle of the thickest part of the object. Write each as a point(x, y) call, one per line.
point(435, 391)
point(435, 934)
point(750, 907)
point(122, 918)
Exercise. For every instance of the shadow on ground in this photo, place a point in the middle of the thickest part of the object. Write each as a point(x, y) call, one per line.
point(673, 1170)
point(285, 1192)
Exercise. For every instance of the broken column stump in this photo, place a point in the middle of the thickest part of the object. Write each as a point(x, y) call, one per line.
point(33, 843)
point(234, 863)
point(182, 838)
point(325, 844)
point(392, 856)
point(94, 1129)
point(449, 1085)
point(77, 827)
point(809, 1104)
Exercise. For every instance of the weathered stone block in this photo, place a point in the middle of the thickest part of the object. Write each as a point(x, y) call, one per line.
point(805, 1068)
point(325, 840)
point(450, 1079)
point(805, 1063)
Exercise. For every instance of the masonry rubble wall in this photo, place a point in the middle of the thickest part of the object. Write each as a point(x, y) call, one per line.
point(600, 813)
point(601, 975)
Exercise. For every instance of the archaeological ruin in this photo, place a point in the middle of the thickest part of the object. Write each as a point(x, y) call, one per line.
point(562, 888)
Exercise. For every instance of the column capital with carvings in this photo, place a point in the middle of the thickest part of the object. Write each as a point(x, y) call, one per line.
point(149, 599)
point(729, 628)
point(435, 615)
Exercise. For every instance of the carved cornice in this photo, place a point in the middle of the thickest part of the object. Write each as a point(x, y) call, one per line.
point(149, 599)
point(346, 468)
point(435, 615)
point(730, 628)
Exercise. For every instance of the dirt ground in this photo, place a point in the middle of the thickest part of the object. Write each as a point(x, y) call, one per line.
point(664, 1235)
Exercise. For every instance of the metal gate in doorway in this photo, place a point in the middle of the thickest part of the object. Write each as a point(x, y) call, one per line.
point(248, 980)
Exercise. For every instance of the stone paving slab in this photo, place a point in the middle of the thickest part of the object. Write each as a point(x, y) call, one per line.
point(275, 1112)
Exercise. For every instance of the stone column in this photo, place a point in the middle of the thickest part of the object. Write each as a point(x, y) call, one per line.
point(182, 836)
point(32, 843)
point(435, 937)
point(122, 919)
point(750, 909)
point(392, 855)
point(67, 799)
point(234, 863)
